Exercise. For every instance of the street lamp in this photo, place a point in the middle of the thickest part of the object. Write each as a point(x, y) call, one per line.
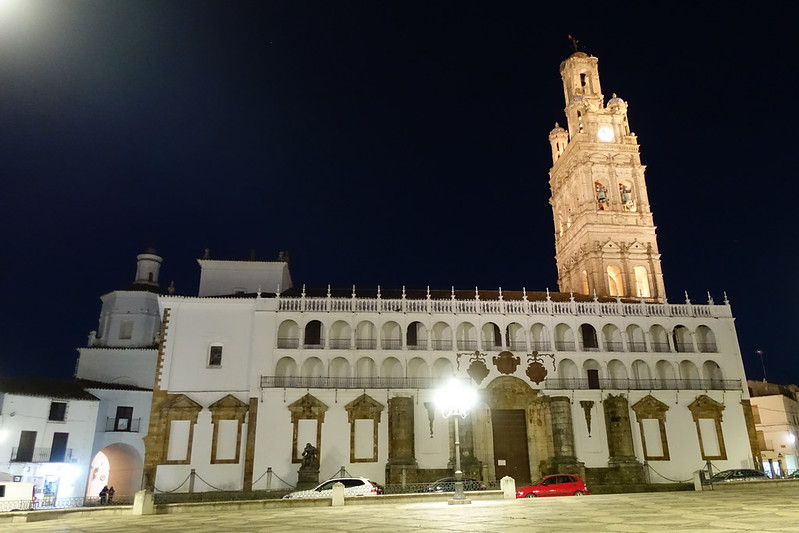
point(762, 363)
point(456, 398)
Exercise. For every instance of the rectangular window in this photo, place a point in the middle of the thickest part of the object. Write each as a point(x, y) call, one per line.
point(306, 433)
point(710, 440)
point(123, 418)
point(178, 446)
point(593, 379)
point(2, 491)
point(58, 411)
point(215, 356)
point(58, 451)
point(652, 437)
point(364, 442)
point(227, 439)
point(27, 440)
point(126, 329)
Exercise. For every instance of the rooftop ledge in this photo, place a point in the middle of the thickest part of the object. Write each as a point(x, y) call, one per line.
point(504, 307)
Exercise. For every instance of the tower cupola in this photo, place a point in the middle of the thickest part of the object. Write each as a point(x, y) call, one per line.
point(148, 265)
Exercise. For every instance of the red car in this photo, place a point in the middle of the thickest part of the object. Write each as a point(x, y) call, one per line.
point(555, 485)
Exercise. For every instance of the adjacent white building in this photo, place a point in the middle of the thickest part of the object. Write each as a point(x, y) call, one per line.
point(46, 431)
point(776, 413)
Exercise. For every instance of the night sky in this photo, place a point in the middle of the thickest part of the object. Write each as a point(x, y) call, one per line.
point(392, 143)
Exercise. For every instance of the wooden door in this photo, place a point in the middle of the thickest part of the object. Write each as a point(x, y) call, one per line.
point(511, 457)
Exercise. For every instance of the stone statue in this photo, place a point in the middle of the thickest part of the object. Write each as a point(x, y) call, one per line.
point(626, 197)
point(310, 457)
point(601, 195)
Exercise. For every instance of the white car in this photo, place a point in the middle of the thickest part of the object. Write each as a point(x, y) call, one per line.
point(353, 486)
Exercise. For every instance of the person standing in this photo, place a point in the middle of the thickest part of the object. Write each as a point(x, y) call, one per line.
point(104, 495)
point(111, 492)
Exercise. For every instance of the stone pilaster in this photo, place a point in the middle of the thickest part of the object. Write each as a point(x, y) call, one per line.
point(563, 457)
point(401, 438)
point(619, 431)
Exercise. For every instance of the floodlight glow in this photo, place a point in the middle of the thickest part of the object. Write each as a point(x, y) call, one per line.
point(455, 398)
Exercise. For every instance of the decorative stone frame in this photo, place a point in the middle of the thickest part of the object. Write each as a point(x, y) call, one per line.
point(227, 408)
point(364, 407)
point(706, 407)
point(179, 407)
point(648, 408)
point(306, 408)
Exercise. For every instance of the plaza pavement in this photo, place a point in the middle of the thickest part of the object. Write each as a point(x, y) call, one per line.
point(741, 510)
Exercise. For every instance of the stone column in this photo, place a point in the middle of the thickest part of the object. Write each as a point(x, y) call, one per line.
point(401, 439)
point(564, 458)
point(619, 430)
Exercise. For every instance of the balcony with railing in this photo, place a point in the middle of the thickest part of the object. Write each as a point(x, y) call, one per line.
point(684, 347)
point(365, 344)
point(517, 346)
point(130, 425)
point(636, 346)
point(614, 346)
point(565, 346)
point(707, 347)
point(641, 384)
point(297, 382)
point(420, 344)
point(541, 345)
point(340, 344)
point(441, 344)
point(467, 345)
point(660, 346)
point(41, 455)
point(288, 342)
point(491, 346)
point(391, 344)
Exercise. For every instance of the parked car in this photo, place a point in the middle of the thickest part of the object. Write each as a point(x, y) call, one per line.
point(447, 484)
point(353, 486)
point(738, 474)
point(554, 485)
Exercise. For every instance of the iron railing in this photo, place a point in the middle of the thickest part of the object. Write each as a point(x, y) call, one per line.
point(565, 346)
point(297, 382)
point(122, 424)
point(365, 344)
point(391, 344)
point(707, 347)
point(288, 342)
point(636, 346)
point(541, 345)
point(339, 344)
point(614, 346)
point(467, 345)
point(642, 384)
point(441, 344)
point(40, 455)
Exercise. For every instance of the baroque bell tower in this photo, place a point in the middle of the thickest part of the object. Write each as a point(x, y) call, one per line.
point(605, 239)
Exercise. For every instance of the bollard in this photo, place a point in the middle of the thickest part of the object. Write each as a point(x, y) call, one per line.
point(269, 478)
point(338, 495)
point(143, 503)
point(508, 485)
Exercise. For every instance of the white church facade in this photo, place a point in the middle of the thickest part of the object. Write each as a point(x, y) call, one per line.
point(605, 379)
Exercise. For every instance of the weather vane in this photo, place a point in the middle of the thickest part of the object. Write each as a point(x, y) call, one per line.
point(574, 42)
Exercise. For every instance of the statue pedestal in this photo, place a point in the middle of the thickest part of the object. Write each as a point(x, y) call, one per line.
point(307, 478)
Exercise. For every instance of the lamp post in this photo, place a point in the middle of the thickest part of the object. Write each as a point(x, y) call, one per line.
point(456, 398)
point(762, 363)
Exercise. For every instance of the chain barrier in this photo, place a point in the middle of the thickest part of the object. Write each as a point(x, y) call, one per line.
point(204, 481)
point(173, 490)
point(668, 478)
point(284, 481)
